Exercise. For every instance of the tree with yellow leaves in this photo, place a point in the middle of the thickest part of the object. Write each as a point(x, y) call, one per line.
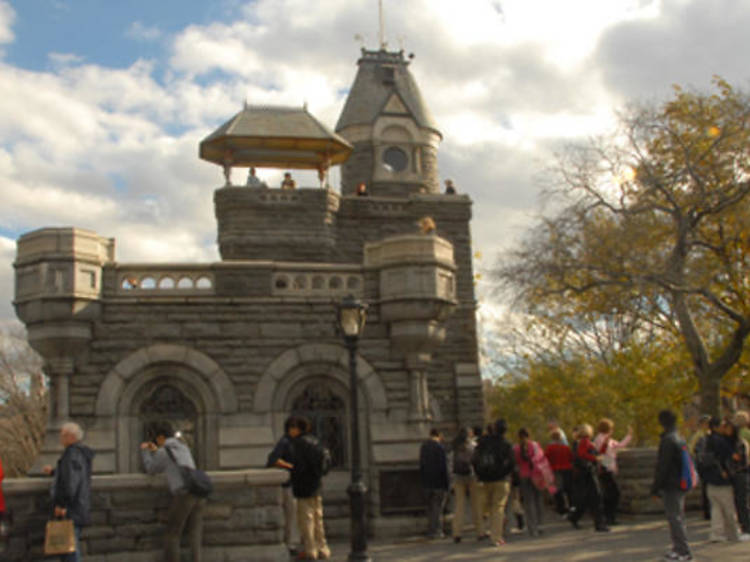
point(653, 224)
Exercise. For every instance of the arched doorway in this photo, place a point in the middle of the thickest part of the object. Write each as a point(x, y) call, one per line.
point(321, 401)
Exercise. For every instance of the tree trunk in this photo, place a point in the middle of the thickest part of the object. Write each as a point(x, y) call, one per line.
point(710, 394)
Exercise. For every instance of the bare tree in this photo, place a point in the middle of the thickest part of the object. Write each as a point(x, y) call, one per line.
point(23, 402)
point(653, 223)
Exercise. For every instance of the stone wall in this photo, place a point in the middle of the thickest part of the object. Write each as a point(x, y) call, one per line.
point(243, 519)
point(636, 474)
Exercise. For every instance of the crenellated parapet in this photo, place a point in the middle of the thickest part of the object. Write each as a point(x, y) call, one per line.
point(255, 223)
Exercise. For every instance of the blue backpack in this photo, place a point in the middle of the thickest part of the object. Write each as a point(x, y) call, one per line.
point(688, 475)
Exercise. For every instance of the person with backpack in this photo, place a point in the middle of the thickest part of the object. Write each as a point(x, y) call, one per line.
point(433, 471)
point(464, 481)
point(167, 454)
point(493, 464)
point(308, 460)
point(667, 485)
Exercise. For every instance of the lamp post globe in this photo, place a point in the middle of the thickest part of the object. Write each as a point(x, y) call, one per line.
point(352, 314)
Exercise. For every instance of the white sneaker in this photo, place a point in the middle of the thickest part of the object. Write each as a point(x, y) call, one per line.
point(744, 537)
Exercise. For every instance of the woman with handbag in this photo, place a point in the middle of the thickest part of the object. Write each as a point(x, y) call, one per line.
point(586, 481)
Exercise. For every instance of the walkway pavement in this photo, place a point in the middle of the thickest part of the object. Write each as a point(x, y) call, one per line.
point(641, 538)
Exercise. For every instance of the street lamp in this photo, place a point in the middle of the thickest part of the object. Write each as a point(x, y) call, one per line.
point(351, 319)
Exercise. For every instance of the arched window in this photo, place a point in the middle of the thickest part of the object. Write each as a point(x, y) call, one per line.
point(167, 403)
point(327, 414)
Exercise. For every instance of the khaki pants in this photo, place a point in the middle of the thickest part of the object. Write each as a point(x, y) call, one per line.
point(496, 496)
point(460, 487)
point(311, 531)
point(723, 524)
point(291, 533)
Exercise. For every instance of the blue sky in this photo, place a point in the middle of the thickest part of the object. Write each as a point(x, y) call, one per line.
point(105, 32)
point(104, 102)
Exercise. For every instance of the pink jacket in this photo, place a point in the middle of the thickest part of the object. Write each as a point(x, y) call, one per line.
point(540, 471)
point(609, 455)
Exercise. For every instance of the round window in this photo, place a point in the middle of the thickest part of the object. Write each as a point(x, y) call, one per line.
point(396, 159)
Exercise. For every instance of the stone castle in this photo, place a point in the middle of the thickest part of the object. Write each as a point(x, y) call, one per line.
point(228, 350)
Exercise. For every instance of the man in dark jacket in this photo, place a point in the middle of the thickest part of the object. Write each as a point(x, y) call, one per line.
point(715, 470)
point(493, 463)
point(433, 470)
point(667, 485)
point(282, 450)
point(71, 489)
point(307, 460)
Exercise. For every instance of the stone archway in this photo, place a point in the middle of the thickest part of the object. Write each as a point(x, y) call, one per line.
point(194, 380)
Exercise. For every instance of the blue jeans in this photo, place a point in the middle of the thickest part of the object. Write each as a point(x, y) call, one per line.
point(75, 556)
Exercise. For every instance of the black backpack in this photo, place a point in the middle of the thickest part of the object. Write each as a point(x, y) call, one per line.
point(462, 461)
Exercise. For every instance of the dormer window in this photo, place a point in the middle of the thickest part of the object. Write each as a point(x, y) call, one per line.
point(396, 159)
point(389, 75)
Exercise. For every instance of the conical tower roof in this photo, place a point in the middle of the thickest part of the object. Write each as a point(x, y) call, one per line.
point(380, 75)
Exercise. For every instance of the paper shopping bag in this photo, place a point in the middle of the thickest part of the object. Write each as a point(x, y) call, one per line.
point(59, 537)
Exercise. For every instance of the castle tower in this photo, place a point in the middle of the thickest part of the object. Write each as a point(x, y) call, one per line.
point(394, 135)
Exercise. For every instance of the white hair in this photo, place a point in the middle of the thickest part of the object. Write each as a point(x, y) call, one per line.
point(73, 429)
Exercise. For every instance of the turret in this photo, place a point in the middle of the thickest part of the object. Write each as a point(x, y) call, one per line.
point(394, 135)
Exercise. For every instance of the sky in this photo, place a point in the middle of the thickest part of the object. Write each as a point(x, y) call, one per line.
point(103, 104)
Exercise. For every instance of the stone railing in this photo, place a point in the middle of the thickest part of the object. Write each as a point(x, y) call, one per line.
point(636, 474)
point(243, 519)
point(161, 280)
point(299, 280)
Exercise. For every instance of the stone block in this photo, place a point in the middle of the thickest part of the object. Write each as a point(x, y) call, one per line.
point(233, 436)
point(243, 457)
point(278, 330)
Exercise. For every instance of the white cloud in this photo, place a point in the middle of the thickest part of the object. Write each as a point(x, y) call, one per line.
point(115, 149)
point(142, 32)
point(7, 17)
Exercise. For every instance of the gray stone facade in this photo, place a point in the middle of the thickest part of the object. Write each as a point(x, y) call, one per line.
point(242, 522)
point(228, 350)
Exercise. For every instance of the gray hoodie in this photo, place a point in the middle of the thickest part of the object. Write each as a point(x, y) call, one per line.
point(159, 461)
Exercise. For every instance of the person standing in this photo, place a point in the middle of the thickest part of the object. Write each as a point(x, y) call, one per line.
point(433, 470)
point(587, 493)
point(465, 481)
point(607, 448)
point(276, 457)
point(493, 464)
point(715, 469)
point(561, 461)
point(696, 446)
point(308, 461)
point(666, 484)
point(738, 469)
point(288, 182)
point(185, 510)
point(529, 455)
point(71, 487)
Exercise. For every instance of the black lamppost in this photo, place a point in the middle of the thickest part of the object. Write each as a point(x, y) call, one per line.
point(351, 319)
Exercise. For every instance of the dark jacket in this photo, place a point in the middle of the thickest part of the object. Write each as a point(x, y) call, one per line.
point(433, 466)
point(501, 451)
point(668, 471)
point(719, 450)
point(307, 457)
point(72, 485)
point(282, 450)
